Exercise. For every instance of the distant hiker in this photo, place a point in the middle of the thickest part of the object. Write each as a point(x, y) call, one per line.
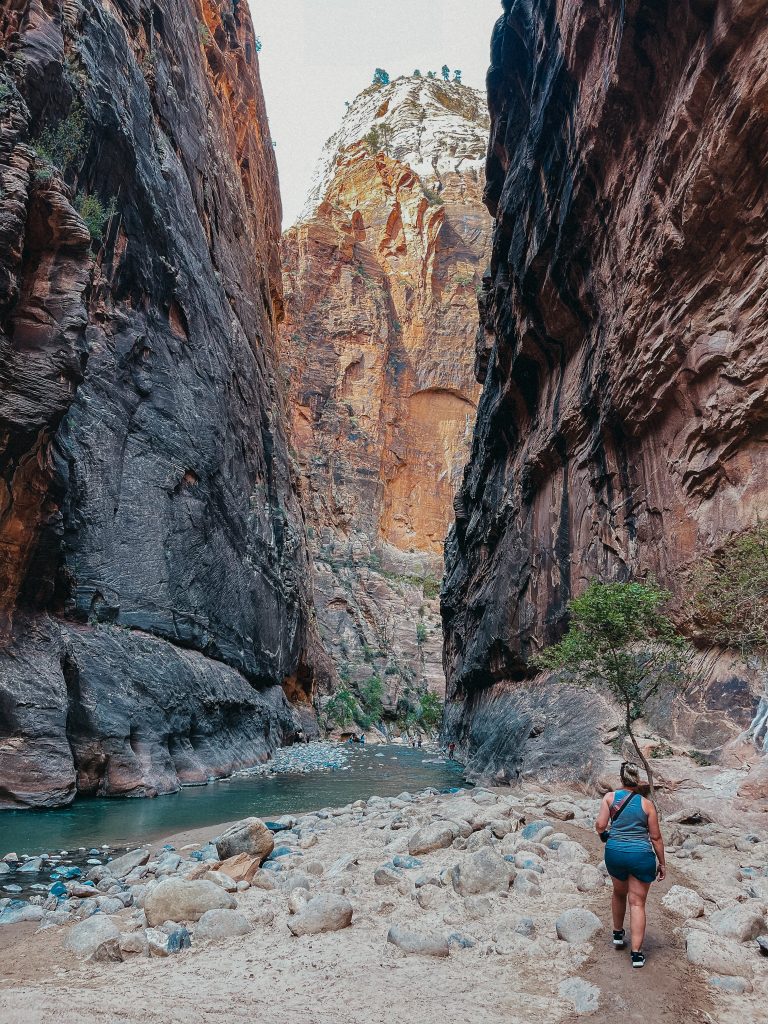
point(630, 842)
point(451, 748)
point(420, 742)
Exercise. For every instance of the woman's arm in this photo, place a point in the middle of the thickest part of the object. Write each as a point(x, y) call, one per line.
point(654, 831)
point(604, 814)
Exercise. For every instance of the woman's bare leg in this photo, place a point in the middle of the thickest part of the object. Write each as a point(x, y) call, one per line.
point(619, 902)
point(638, 894)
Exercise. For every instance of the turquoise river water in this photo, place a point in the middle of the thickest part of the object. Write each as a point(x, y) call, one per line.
point(121, 822)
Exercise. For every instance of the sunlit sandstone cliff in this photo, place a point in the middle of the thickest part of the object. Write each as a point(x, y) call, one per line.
point(153, 586)
point(624, 416)
point(380, 278)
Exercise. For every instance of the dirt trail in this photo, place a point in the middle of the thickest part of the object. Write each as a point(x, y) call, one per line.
point(669, 989)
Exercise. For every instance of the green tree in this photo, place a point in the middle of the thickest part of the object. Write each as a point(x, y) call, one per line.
point(371, 694)
point(620, 642)
point(380, 77)
point(431, 74)
point(729, 603)
point(421, 633)
point(457, 76)
point(446, 72)
point(342, 709)
point(430, 710)
point(417, 73)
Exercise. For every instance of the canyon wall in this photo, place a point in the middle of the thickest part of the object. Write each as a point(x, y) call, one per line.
point(380, 279)
point(624, 415)
point(154, 589)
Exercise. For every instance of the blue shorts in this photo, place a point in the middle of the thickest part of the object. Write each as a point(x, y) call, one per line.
point(622, 861)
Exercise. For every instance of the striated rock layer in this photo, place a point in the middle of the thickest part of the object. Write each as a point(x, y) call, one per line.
point(145, 487)
point(380, 280)
point(624, 416)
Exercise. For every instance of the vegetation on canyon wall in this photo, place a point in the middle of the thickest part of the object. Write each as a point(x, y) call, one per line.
point(620, 641)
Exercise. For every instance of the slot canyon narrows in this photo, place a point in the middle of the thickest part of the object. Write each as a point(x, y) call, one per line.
point(383, 432)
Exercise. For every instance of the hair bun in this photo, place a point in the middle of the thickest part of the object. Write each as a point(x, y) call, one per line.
point(630, 774)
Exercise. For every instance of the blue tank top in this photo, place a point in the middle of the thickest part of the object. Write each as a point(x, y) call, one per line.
point(631, 827)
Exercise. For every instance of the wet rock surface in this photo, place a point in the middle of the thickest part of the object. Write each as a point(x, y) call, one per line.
point(153, 545)
point(620, 397)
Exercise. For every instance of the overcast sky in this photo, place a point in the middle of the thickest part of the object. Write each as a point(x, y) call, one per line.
point(318, 53)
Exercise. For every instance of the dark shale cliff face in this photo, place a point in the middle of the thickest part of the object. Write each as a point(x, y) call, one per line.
point(624, 417)
point(153, 586)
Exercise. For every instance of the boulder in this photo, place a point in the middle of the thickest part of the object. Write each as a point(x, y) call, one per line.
point(121, 867)
point(327, 912)
point(240, 868)
point(742, 921)
point(721, 956)
point(421, 945)
point(97, 938)
point(249, 836)
point(683, 903)
point(756, 785)
point(527, 885)
point(134, 944)
point(346, 862)
point(583, 997)
point(733, 986)
point(222, 924)
point(438, 835)
point(563, 812)
point(572, 853)
point(264, 880)
point(176, 899)
point(219, 878)
point(537, 830)
point(589, 878)
point(386, 875)
point(577, 925)
point(484, 871)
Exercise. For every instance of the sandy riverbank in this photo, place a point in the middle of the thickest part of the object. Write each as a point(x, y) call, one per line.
point(505, 963)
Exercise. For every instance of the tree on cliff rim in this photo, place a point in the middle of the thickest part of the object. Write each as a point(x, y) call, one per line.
point(620, 642)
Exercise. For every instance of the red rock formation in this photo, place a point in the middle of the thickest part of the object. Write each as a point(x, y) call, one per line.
point(151, 539)
point(624, 417)
point(380, 280)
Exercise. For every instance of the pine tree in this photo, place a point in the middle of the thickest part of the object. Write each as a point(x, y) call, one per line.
point(446, 72)
point(380, 77)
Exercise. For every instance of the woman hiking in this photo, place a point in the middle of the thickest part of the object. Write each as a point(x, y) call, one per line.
point(629, 856)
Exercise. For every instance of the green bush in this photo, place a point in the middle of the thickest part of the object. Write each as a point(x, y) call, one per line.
point(433, 197)
point(421, 633)
point(342, 709)
point(371, 695)
point(204, 34)
point(431, 587)
point(380, 77)
point(63, 145)
point(391, 670)
point(94, 213)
